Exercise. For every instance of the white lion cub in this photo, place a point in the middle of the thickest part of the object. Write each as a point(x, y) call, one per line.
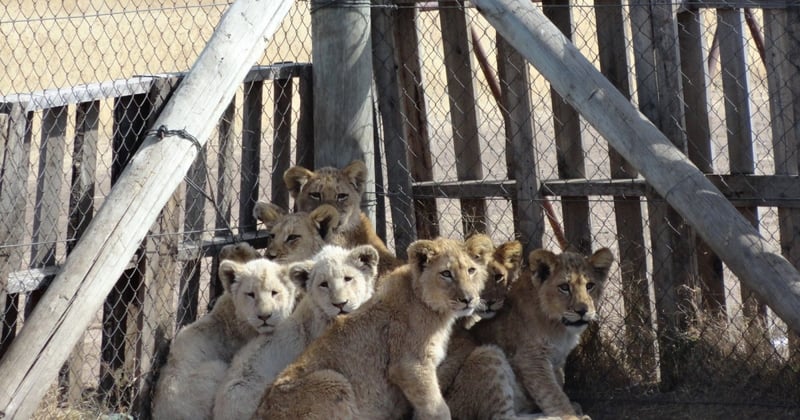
point(258, 295)
point(337, 281)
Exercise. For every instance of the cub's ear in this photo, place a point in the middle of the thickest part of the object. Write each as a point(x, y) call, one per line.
point(326, 217)
point(356, 174)
point(542, 263)
point(365, 257)
point(509, 254)
point(601, 261)
point(240, 252)
point(480, 248)
point(228, 272)
point(295, 177)
point(300, 273)
point(420, 253)
point(267, 213)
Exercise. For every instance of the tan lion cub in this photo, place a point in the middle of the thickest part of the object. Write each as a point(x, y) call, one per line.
point(257, 296)
point(380, 361)
point(337, 281)
point(296, 236)
point(341, 188)
point(548, 309)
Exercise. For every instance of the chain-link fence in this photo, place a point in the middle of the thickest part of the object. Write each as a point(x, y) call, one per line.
point(679, 334)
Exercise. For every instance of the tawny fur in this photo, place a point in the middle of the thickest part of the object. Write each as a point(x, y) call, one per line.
point(201, 352)
point(296, 236)
point(337, 281)
point(546, 311)
point(477, 380)
point(380, 361)
point(343, 189)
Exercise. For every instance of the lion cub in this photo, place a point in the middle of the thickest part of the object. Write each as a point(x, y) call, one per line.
point(296, 236)
point(341, 188)
point(337, 281)
point(381, 360)
point(257, 296)
point(548, 309)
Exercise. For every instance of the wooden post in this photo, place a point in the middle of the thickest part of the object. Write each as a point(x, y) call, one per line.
point(639, 336)
point(225, 192)
point(304, 155)
point(282, 140)
point(463, 114)
point(664, 167)
point(252, 111)
point(416, 124)
point(391, 112)
point(342, 57)
point(133, 205)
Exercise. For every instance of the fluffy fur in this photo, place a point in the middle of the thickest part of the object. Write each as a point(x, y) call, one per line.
point(341, 188)
point(337, 281)
point(547, 310)
point(257, 296)
point(296, 236)
point(380, 361)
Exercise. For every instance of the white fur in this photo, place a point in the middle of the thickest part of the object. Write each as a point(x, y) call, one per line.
point(201, 352)
point(257, 365)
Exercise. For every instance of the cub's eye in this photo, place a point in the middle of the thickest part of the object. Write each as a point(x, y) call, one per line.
point(274, 293)
point(589, 286)
point(292, 238)
point(499, 277)
point(471, 270)
point(348, 278)
point(251, 295)
point(315, 196)
point(564, 287)
point(324, 285)
point(446, 274)
point(341, 197)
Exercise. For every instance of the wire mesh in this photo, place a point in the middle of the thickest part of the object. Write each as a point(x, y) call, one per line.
point(61, 157)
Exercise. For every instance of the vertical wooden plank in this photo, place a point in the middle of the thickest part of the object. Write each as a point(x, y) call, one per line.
point(415, 113)
point(343, 119)
point(81, 211)
point(193, 226)
point(698, 134)
point(569, 149)
point(782, 33)
point(390, 107)
point(639, 335)
point(463, 117)
point(305, 120)
point(282, 139)
point(735, 85)
point(48, 190)
point(121, 305)
point(154, 324)
point(13, 204)
point(252, 111)
point(660, 92)
point(225, 191)
point(514, 78)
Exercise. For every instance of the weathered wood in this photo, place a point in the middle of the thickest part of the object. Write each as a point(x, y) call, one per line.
point(133, 205)
point(252, 112)
point(81, 211)
point(639, 334)
point(782, 33)
point(343, 120)
point(651, 152)
point(48, 194)
point(281, 140)
point(13, 205)
point(193, 226)
point(415, 116)
point(394, 131)
point(569, 150)
point(735, 84)
point(224, 197)
point(463, 114)
point(698, 134)
point(515, 99)
point(304, 153)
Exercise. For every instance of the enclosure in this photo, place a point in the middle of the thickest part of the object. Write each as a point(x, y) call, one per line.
point(464, 134)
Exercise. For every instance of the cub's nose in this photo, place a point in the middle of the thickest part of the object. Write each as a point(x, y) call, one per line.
point(466, 300)
point(340, 305)
point(264, 317)
point(581, 312)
